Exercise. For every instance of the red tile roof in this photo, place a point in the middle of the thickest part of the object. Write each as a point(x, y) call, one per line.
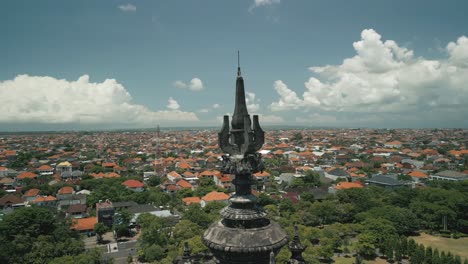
point(348, 185)
point(191, 200)
point(45, 168)
point(31, 192)
point(65, 190)
point(84, 224)
point(215, 196)
point(26, 175)
point(184, 184)
point(262, 174)
point(417, 174)
point(44, 199)
point(133, 184)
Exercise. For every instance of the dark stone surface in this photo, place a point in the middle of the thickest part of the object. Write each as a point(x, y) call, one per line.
point(244, 234)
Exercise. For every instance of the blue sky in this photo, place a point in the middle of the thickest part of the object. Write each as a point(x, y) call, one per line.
point(174, 63)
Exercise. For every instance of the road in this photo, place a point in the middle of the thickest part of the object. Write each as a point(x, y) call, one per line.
point(120, 251)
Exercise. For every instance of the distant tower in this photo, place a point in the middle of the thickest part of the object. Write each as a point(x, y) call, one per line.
point(244, 235)
point(158, 166)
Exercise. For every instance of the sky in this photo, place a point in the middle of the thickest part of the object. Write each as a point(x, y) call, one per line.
point(136, 64)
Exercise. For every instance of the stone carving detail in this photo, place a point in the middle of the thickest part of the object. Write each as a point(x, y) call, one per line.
point(244, 234)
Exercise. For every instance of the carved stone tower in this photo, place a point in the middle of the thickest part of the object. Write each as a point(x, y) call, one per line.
point(244, 234)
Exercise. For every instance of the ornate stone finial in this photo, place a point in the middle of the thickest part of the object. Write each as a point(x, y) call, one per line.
point(296, 248)
point(238, 64)
point(243, 220)
point(186, 257)
point(272, 258)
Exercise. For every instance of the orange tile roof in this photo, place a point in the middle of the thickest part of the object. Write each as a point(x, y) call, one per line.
point(215, 196)
point(109, 164)
point(184, 165)
point(174, 174)
point(206, 173)
point(26, 175)
point(44, 199)
point(133, 184)
point(417, 174)
point(83, 224)
point(262, 174)
point(191, 200)
point(45, 168)
point(184, 184)
point(31, 192)
point(111, 175)
point(65, 190)
point(348, 185)
point(188, 174)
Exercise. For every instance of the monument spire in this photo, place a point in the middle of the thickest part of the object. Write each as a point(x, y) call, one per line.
point(244, 235)
point(238, 65)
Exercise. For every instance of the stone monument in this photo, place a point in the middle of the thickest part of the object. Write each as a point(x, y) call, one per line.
point(244, 234)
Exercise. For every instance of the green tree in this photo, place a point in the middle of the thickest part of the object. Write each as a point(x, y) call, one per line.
point(92, 256)
point(35, 235)
point(428, 255)
point(196, 214)
point(100, 230)
point(436, 257)
point(153, 253)
point(186, 229)
point(366, 244)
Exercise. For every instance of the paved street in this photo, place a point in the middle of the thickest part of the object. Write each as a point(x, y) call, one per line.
point(120, 251)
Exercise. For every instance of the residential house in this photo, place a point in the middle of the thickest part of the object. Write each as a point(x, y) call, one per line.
point(45, 170)
point(64, 167)
point(66, 192)
point(344, 185)
point(393, 144)
point(11, 201)
point(105, 212)
point(84, 225)
point(449, 175)
point(191, 200)
point(134, 185)
point(262, 178)
point(223, 181)
point(337, 173)
point(26, 175)
point(77, 211)
point(183, 184)
point(173, 176)
point(31, 194)
point(214, 196)
point(3, 171)
point(387, 181)
point(418, 176)
point(46, 201)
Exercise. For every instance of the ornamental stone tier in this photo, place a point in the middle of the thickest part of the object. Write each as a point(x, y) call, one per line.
point(244, 234)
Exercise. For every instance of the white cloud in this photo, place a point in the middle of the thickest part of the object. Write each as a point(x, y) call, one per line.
point(127, 8)
point(259, 3)
point(288, 98)
point(37, 99)
point(384, 78)
point(459, 52)
point(252, 104)
point(180, 84)
point(172, 104)
point(270, 119)
point(216, 106)
point(195, 84)
point(204, 110)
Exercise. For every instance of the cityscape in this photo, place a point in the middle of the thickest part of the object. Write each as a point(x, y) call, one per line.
point(168, 151)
